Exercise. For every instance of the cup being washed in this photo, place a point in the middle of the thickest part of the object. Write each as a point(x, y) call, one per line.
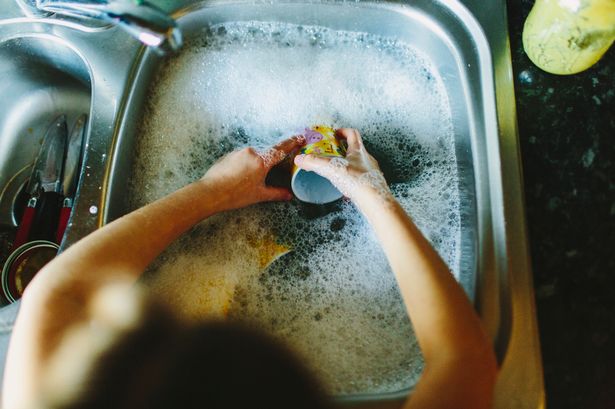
point(308, 186)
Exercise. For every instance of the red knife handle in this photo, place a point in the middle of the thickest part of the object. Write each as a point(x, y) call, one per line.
point(63, 222)
point(23, 231)
point(47, 215)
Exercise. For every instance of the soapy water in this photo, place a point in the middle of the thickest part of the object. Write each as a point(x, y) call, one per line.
point(275, 155)
point(313, 276)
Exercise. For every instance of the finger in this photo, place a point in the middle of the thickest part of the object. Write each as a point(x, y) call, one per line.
point(273, 194)
point(312, 163)
point(272, 157)
point(352, 136)
point(280, 151)
point(290, 144)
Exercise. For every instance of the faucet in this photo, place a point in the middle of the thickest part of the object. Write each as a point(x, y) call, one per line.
point(139, 18)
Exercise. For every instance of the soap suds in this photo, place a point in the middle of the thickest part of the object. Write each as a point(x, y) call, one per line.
point(332, 297)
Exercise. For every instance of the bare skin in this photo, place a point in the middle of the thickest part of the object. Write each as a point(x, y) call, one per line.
point(57, 298)
point(460, 365)
point(459, 358)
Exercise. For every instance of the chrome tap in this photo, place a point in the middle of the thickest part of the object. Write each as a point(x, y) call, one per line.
point(139, 18)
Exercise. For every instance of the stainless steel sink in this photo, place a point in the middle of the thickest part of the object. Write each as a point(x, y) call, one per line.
point(468, 44)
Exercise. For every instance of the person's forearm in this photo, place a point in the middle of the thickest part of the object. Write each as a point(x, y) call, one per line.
point(118, 252)
point(124, 248)
point(458, 354)
point(459, 358)
point(445, 323)
point(60, 295)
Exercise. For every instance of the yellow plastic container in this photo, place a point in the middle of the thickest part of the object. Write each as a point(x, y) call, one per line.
point(308, 186)
point(569, 36)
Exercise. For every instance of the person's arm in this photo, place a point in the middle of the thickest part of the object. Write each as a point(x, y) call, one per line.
point(460, 365)
point(120, 251)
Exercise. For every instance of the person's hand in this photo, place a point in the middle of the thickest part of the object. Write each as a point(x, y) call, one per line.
point(238, 179)
point(357, 176)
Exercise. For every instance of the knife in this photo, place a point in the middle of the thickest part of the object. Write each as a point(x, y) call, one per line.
point(72, 168)
point(50, 184)
point(44, 180)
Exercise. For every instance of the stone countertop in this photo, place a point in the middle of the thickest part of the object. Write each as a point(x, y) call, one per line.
point(567, 135)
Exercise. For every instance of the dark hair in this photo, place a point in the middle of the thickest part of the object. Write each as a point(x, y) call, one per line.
point(164, 363)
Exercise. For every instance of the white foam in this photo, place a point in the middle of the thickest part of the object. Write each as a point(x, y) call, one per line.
point(333, 297)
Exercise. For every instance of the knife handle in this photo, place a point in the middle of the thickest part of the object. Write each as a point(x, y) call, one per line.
point(23, 231)
point(47, 216)
point(67, 207)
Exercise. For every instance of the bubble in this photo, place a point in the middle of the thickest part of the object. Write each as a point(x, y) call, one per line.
point(333, 297)
point(272, 156)
point(338, 163)
point(374, 179)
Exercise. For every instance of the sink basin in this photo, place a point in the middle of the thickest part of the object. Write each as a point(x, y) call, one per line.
point(456, 44)
point(42, 78)
point(52, 66)
point(467, 44)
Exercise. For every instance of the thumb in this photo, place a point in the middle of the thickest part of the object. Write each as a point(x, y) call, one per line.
point(276, 194)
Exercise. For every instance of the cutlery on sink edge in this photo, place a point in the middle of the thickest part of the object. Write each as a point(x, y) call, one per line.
point(72, 169)
point(44, 185)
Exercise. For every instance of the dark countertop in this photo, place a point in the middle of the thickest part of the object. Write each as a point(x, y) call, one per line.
point(567, 135)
